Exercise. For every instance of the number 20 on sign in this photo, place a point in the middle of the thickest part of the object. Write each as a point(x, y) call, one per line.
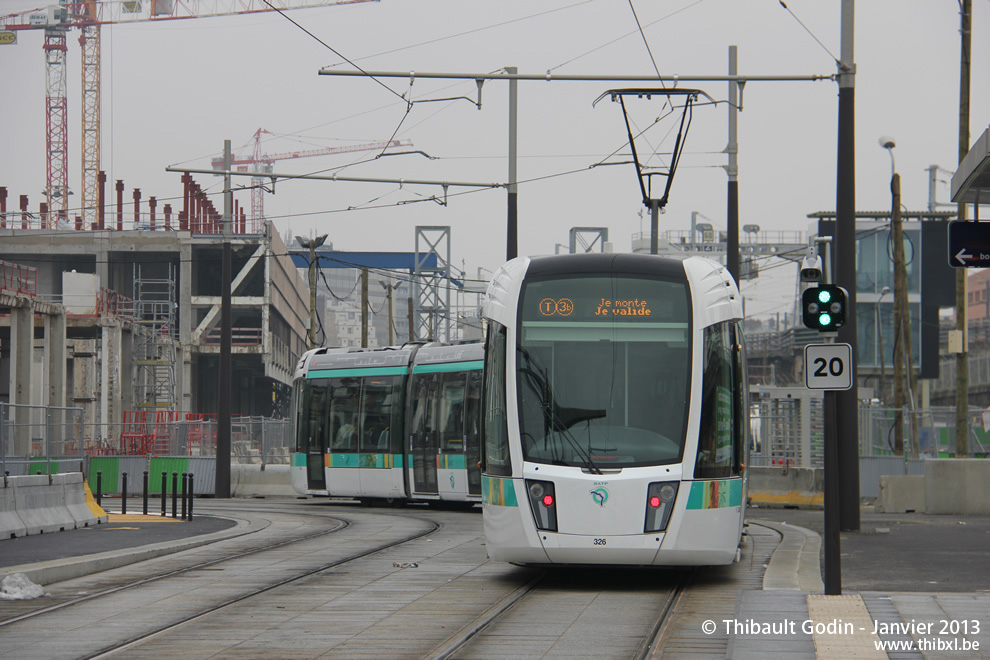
point(828, 366)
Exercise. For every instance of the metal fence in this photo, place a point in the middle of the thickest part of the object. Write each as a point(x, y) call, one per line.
point(40, 439)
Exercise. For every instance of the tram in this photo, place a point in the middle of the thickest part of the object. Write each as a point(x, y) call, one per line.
point(393, 425)
point(615, 411)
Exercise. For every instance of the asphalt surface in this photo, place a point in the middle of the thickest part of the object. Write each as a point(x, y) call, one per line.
point(121, 533)
point(904, 551)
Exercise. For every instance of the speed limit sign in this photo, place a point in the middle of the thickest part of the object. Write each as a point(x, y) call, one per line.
point(828, 366)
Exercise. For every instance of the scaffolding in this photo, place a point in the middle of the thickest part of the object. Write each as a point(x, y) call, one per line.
point(154, 340)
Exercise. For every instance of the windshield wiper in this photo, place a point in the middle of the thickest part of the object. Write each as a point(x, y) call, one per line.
point(557, 418)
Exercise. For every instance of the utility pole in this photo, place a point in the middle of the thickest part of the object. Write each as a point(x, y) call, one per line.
point(364, 307)
point(389, 288)
point(962, 313)
point(222, 483)
point(412, 328)
point(311, 245)
point(847, 401)
point(904, 377)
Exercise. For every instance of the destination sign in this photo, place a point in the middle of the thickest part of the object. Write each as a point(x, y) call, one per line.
point(603, 299)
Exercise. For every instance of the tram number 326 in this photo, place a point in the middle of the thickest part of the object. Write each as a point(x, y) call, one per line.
point(828, 366)
point(599, 541)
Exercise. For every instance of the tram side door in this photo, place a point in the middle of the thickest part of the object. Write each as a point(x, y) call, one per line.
point(472, 431)
point(317, 436)
point(424, 436)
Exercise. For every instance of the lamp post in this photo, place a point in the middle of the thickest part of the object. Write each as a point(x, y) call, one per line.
point(311, 245)
point(903, 359)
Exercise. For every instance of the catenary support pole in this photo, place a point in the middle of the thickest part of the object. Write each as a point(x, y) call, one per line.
point(222, 488)
point(845, 268)
point(732, 192)
point(512, 222)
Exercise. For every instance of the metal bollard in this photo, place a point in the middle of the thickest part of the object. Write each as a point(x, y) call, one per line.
point(185, 492)
point(123, 494)
point(145, 495)
point(164, 490)
point(175, 494)
point(191, 491)
point(99, 488)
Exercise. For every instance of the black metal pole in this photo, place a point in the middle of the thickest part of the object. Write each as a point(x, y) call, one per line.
point(123, 494)
point(144, 497)
point(845, 270)
point(833, 567)
point(192, 489)
point(99, 488)
point(164, 491)
point(175, 494)
point(185, 492)
point(222, 483)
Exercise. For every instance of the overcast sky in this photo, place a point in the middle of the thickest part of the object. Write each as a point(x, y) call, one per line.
point(173, 91)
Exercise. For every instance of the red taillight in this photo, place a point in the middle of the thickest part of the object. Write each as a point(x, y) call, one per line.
point(655, 502)
point(548, 500)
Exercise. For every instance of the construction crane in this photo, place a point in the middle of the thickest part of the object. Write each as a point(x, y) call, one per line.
point(87, 16)
point(261, 164)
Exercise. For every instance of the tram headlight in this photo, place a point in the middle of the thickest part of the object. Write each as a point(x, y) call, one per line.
point(543, 502)
point(660, 497)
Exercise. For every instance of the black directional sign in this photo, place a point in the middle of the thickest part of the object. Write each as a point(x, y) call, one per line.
point(969, 244)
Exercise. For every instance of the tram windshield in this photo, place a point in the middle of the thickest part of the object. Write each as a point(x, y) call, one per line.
point(603, 371)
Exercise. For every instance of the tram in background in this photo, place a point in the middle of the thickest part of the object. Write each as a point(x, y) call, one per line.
point(615, 412)
point(389, 425)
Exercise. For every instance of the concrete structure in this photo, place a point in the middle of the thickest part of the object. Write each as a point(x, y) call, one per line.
point(958, 486)
point(95, 274)
point(41, 504)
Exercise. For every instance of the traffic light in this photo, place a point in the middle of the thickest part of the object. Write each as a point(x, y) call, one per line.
point(824, 307)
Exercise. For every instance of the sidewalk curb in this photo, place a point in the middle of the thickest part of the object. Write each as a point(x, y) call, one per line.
point(796, 562)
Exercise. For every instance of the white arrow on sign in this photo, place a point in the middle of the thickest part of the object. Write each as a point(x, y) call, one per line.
point(963, 257)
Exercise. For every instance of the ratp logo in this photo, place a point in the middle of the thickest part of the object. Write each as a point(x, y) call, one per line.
point(600, 496)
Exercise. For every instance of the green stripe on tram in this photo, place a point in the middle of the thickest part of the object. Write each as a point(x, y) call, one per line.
point(715, 494)
point(383, 461)
point(498, 491)
point(448, 366)
point(357, 373)
point(452, 462)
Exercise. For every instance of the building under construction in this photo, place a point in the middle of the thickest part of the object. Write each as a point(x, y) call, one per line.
point(124, 314)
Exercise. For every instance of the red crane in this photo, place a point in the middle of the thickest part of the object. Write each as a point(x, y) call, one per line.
point(261, 164)
point(88, 16)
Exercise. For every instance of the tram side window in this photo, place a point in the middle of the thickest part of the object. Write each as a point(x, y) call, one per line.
point(452, 412)
point(376, 413)
point(343, 415)
point(299, 425)
point(742, 430)
point(720, 430)
point(496, 431)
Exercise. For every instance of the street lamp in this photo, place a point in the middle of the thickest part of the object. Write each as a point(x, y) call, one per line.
point(311, 245)
point(903, 359)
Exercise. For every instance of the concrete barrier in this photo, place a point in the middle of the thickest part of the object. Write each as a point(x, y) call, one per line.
point(41, 504)
point(958, 486)
point(11, 525)
point(901, 494)
point(77, 503)
point(261, 481)
point(786, 486)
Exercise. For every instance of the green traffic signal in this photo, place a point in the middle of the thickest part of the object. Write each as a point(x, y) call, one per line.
point(824, 307)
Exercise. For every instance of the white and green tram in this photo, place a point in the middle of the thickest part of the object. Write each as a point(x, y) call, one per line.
point(615, 411)
point(393, 425)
